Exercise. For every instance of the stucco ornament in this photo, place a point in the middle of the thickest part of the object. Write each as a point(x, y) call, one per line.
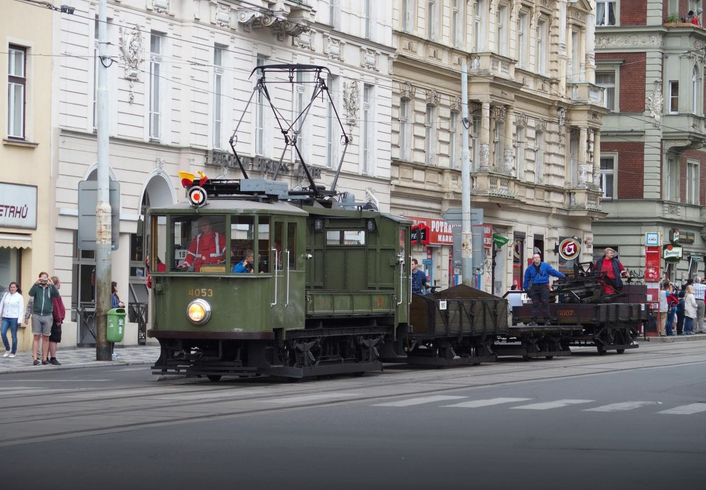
point(484, 156)
point(131, 56)
point(351, 102)
point(656, 103)
point(509, 157)
point(589, 146)
point(562, 117)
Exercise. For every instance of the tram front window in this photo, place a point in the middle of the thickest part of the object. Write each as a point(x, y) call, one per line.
point(199, 243)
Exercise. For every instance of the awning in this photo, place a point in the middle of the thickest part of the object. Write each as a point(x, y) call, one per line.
point(15, 241)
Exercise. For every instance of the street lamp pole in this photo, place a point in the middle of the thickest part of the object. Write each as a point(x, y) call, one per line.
point(103, 211)
point(466, 235)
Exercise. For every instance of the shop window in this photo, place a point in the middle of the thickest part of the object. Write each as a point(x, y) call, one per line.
point(10, 269)
point(199, 244)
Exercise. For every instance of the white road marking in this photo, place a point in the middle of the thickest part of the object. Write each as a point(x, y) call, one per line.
point(550, 405)
point(309, 398)
point(487, 403)
point(686, 409)
point(620, 407)
point(420, 401)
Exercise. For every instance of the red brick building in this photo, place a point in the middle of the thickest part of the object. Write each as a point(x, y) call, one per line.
point(650, 58)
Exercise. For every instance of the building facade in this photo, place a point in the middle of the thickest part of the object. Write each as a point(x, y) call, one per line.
point(179, 80)
point(651, 63)
point(535, 119)
point(26, 190)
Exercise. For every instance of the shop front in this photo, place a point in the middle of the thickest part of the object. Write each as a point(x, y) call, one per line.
point(432, 246)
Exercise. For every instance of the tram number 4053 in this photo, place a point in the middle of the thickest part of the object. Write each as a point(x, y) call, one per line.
point(202, 293)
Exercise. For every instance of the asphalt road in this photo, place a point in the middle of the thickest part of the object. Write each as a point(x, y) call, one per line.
point(636, 420)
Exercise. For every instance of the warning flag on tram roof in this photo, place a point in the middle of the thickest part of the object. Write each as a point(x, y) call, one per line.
point(500, 240)
point(187, 179)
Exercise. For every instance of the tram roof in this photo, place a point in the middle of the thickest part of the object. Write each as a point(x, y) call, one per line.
point(216, 206)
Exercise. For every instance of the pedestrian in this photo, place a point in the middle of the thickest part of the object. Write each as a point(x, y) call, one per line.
point(419, 279)
point(673, 302)
point(680, 311)
point(663, 307)
point(114, 299)
point(699, 294)
point(11, 309)
point(690, 310)
point(537, 283)
point(58, 315)
point(610, 269)
point(42, 294)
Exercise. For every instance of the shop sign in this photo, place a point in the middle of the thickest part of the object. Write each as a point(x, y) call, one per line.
point(687, 237)
point(674, 235)
point(653, 239)
point(439, 231)
point(488, 236)
point(652, 264)
point(420, 234)
point(672, 253)
point(18, 206)
point(569, 248)
point(500, 240)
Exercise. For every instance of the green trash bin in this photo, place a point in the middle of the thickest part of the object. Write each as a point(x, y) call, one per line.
point(116, 324)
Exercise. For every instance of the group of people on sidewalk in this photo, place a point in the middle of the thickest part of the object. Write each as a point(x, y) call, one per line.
point(47, 311)
point(681, 310)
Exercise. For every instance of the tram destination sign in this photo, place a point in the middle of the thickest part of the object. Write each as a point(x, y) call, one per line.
point(18, 206)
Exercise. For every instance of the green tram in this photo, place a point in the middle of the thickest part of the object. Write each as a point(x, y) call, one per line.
point(317, 288)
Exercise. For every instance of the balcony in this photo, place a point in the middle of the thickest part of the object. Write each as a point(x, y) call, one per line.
point(284, 17)
point(492, 64)
point(587, 93)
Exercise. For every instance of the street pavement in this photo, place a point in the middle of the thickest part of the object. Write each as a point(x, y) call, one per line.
point(631, 421)
point(80, 358)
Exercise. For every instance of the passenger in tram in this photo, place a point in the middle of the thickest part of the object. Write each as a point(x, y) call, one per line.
point(208, 247)
point(245, 265)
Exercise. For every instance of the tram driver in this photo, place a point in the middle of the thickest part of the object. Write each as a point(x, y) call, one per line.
point(208, 247)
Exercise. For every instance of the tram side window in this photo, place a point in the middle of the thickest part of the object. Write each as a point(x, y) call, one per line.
point(242, 244)
point(264, 254)
point(157, 245)
point(292, 245)
point(345, 237)
point(199, 243)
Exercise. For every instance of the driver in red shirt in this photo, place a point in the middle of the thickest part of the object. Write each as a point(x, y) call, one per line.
point(208, 247)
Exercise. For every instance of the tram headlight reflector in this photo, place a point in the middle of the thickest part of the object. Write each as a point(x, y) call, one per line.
point(198, 311)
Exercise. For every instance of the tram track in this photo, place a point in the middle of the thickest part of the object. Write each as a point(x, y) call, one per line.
point(157, 406)
point(503, 367)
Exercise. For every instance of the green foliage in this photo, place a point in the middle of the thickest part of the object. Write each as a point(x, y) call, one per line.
point(672, 19)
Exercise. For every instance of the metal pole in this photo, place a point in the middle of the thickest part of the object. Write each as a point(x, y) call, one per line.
point(103, 211)
point(466, 237)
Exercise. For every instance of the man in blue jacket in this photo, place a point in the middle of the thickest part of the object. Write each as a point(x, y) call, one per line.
point(537, 285)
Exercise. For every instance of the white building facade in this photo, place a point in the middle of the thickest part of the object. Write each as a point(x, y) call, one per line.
point(179, 80)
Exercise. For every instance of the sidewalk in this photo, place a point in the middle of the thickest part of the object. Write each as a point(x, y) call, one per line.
point(82, 357)
point(674, 338)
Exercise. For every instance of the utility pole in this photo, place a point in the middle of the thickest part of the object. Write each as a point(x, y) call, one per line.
point(466, 236)
point(103, 211)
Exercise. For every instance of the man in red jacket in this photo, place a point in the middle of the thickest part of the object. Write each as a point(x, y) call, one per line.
point(611, 269)
point(58, 314)
point(208, 247)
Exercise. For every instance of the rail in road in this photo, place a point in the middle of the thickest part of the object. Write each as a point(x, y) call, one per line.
point(30, 413)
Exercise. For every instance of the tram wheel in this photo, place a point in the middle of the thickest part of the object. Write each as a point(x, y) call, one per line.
point(549, 358)
point(526, 358)
point(620, 351)
point(214, 377)
point(359, 374)
point(601, 350)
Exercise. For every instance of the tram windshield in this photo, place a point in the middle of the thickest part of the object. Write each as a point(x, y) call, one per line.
point(199, 243)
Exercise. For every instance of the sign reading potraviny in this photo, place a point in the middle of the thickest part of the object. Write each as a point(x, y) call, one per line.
point(440, 232)
point(18, 206)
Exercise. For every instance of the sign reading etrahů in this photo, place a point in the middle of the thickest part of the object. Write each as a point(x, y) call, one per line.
point(18, 206)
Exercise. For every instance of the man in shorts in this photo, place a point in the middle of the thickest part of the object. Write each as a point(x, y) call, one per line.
point(42, 294)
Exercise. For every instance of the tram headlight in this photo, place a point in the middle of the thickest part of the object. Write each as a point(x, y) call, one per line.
point(198, 311)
